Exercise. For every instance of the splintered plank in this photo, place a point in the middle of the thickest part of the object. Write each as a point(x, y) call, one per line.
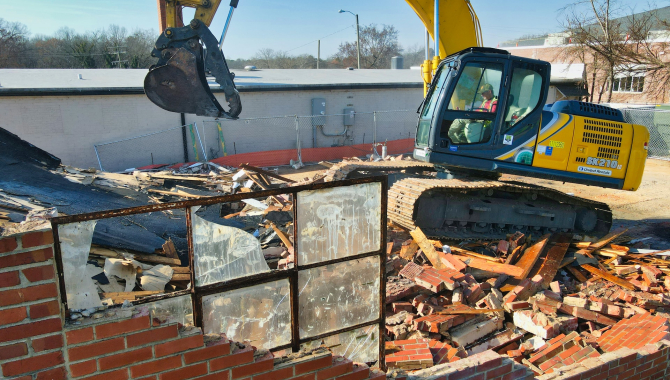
point(557, 246)
point(510, 270)
point(467, 311)
point(265, 172)
point(515, 254)
point(575, 272)
point(609, 277)
point(284, 238)
point(465, 252)
point(529, 258)
point(605, 240)
point(169, 250)
point(427, 248)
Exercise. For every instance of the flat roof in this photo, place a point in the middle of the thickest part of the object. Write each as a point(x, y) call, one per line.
point(130, 81)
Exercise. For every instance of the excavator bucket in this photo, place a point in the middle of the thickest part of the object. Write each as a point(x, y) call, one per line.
point(178, 83)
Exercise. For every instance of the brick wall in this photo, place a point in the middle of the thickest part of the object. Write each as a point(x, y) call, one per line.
point(34, 345)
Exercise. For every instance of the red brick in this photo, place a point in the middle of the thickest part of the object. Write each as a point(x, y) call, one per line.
point(117, 328)
point(231, 360)
point(32, 364)
point(13, 351)
point(125, 359)
point(33, 329)
point(83, 368)
point(9, 316)
point(489, 365)
point(309, 376)
point(120, 374)
point(216, 376)
point(33, 293)
point(207, 353)
point(8, 244)
point(52, 374)
point(23, 258)
point(96, 349)
point(336, 370)
point(44, 309)
point(45, 272)
point(498, 371)
point(153, 335)
point(79, 336)
point(155, 366)
point(278, 374)
point(250, 369)
point(35, 239)
point(360, 373)
point(313, 365)
point(185, 373)
point(178, 345)
point(47, 343)
point(8, 279)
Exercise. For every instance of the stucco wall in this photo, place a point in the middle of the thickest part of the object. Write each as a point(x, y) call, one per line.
point(69, 126)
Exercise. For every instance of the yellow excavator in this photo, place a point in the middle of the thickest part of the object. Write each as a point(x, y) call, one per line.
point(484, 114)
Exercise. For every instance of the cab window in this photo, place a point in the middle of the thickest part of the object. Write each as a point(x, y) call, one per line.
point(524, 96)
point(476, 96)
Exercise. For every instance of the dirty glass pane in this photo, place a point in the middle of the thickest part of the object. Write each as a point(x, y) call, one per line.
point(360, 345)
point(338, 222)
point(260, 314)
point(75, 244)
point(171, 310)
point(223, 253)
point(340, 295)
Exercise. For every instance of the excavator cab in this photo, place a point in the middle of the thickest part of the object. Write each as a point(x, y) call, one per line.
point(186, 54)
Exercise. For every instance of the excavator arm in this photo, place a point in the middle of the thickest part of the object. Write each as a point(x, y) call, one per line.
point(178, 82)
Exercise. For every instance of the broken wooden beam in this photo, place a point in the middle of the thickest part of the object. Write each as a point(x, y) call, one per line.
point(465, 252)
point(427, 248)
point(510, 270)
point(611, 278)
point(556, 248)
point(530, 257)
point(265, 172)
point(153, 259)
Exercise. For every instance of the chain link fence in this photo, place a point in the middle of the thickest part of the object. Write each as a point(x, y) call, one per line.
point(282, 138)
point(658, 124)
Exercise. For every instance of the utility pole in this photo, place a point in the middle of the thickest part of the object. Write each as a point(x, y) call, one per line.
point(117, 50)
point(358, 42)
point(318, 53)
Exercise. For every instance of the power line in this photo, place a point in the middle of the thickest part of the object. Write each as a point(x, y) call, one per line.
point(313, 41)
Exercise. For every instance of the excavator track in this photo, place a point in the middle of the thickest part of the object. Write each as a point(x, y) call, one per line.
point(472, 208)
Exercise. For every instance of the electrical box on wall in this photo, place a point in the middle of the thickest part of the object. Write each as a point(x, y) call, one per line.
point(349, 116)
point(319, 108)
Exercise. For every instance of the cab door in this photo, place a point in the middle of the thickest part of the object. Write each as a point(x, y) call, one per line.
point(471, 108)
point(522, 116)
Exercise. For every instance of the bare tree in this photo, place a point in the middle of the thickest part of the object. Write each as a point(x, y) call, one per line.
point(596, 36)
point(378, 45)
point(273, 59)
point(13, 44)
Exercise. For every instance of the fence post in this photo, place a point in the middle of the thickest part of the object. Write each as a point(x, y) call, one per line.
point(95, 147)
point(297, 131)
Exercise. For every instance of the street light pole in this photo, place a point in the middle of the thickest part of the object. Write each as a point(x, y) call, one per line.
point(358, 37)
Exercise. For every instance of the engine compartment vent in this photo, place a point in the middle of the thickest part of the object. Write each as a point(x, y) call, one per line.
point(575, 107)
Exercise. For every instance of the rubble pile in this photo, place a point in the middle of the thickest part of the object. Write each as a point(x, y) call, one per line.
point(544, 302)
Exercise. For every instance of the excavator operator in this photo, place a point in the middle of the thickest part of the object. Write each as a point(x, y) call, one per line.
point(466, 131)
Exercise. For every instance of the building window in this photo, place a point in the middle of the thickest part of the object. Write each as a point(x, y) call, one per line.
point(629, 84)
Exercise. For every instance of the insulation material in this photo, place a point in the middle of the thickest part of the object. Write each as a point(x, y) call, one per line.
point(339, 295)
point(223, 253)
point(75, 242)
point(339, 222)
point(124, 269)
point(360, 345)
point(156, 278)
point(260, 314)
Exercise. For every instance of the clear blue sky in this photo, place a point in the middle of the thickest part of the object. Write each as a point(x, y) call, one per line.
point(294, 25)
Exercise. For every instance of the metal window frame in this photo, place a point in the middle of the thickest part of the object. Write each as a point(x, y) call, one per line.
point(197, 293)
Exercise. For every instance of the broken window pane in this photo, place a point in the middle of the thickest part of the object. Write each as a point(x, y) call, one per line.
point(340, 295)
point(339, 222)
point(360, 345)
point(75, 245)
point(171, 310)
point(260, 314)
point(223, 253)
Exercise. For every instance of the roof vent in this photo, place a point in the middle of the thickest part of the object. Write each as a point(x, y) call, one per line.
point(79, 76)
point(350, 68)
